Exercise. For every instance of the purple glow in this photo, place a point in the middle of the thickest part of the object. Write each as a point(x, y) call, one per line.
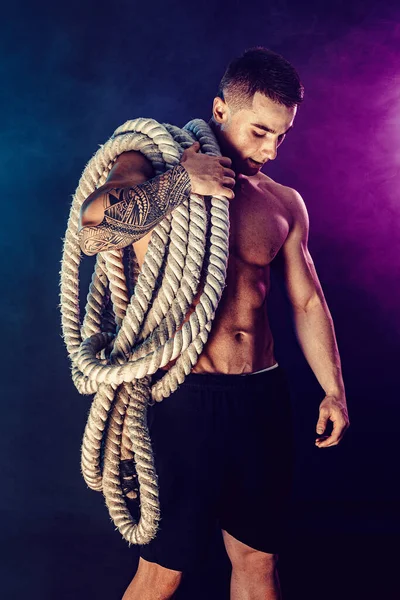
point(344, 158)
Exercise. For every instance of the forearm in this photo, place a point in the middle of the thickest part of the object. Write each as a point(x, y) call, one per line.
point(131, 212)
point(316, 336)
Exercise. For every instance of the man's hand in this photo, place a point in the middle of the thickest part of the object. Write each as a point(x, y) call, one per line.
point(333, 407)
point(209, 175)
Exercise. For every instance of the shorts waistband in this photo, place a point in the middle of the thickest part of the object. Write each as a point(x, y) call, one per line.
point(261, 370)
point(226, 380)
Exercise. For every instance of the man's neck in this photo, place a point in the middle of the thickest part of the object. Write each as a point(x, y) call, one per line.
point(214, 128)
point(217, 132)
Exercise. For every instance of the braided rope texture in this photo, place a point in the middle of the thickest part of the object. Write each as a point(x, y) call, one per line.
point(133, 321)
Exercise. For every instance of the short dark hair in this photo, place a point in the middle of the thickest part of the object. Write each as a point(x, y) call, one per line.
point(260, 70)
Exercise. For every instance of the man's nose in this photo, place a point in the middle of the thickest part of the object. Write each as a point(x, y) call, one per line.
point(270, 151)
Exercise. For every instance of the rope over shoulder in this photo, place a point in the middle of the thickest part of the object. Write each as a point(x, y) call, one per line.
point(133, 323)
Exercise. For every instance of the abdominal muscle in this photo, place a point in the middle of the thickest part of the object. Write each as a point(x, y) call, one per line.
point(240, 340)
point(237, 352)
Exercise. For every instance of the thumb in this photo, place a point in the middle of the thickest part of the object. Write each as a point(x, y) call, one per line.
point(321, 425)
point(195, 146)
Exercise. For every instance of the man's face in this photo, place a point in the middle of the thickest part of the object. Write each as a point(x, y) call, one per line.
point(253, 133)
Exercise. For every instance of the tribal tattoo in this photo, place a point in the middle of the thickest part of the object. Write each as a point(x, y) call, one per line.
point(130, 213)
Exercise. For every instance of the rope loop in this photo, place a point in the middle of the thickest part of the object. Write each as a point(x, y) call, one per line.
point(134, 319)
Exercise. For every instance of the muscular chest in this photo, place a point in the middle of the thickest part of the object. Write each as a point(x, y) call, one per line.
point(259, 225)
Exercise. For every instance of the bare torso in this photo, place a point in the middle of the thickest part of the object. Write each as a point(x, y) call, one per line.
point(240, 340)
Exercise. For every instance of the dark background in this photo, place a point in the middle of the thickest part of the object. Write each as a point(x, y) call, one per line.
point(70, 76)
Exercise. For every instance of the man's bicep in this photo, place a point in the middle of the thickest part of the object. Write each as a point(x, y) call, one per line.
point(131, 209)
point(298, 269)
point(130, 168)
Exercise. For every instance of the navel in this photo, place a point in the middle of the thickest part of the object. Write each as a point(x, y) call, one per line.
point(239, 336)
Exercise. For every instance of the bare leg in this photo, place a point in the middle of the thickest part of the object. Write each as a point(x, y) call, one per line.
point(254, 573)
point(152, 582)
point(255, 586)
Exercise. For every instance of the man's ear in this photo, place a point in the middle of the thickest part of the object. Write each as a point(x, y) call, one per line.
point(220, 110)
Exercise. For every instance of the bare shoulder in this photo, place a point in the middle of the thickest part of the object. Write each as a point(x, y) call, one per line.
point(290, 198)
point(129, 165)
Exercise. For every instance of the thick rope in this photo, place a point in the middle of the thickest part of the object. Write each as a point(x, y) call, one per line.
point(133, 322)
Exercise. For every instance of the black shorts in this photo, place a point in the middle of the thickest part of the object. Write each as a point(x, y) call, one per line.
point(223, 452)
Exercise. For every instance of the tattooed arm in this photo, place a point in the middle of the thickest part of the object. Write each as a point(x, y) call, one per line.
point(130, 211)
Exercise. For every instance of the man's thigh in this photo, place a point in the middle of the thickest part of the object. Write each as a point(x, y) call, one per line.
point(258, 475)
point(181, 439)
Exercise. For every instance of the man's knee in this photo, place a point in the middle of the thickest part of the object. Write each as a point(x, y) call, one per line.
point(246, 558)
point(158, 576)
point(260, 561)
point(150, 579)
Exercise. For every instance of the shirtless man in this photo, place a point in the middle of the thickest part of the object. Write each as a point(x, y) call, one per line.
point(237, 390)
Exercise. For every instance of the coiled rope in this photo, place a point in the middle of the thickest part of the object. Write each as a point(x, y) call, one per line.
point(133, 323)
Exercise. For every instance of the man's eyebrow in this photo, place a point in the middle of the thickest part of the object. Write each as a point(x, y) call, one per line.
point(269, 129)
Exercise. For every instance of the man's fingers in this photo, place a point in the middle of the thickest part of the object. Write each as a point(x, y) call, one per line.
point(229, 181)
point(324, 414)
point(225, 161)
point(335, 437)
point(193, 148)
point(229, 173)
point(321, 425)
point(329, 441)
point(227, 192)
